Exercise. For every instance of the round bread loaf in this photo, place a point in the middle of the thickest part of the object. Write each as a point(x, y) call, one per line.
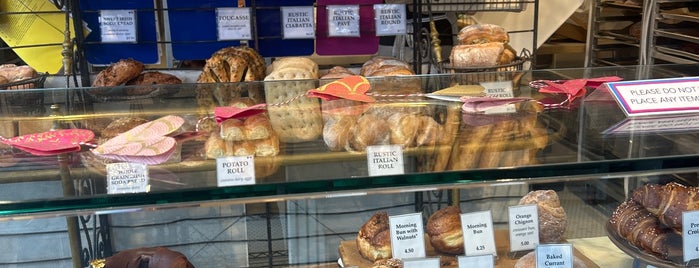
point(444, 230)
point(552, 216)
point(118, 73)
point(482, 33)
point(374, 238)
point(337, 72)
point(369, 130)
point(155, 257)
point(404, 128)
point(150, 78)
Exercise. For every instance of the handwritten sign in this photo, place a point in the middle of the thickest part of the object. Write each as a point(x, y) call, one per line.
point(233, 23)
point(524, 227)
point(407, 236)
point(390, 19)
point(653, 97)
point(690, 235)
point(385, 160)
point(117, 26)
point(298, 23)
point(127, 178)
point(479, 238)
point(235, 170)
point(343, 21)
point(554, 256)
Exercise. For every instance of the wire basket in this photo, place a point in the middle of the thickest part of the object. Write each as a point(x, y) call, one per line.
point(20, 97)
point(469, 5)
point(475, 75)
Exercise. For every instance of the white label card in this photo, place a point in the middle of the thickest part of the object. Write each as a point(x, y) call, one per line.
point(407, 236)
point(479, 238)
point(482, 261)
point(385, 160)
point(661, 96)
point(235, 170)
point(127, 178)
point(501, 89)
point(390, 19)
point(422, 263)
point(343, 21)
point(234, 23)
point(524, 227)
point(690, 235)
point(554, 256)
point(118, 26)
point(298, 23)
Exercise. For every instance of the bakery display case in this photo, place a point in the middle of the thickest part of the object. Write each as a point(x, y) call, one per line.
point(315, 183)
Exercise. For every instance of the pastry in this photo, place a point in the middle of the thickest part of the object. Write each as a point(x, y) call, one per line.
point(404, 128)
point(552, 217)
point(388, 263)
point(155, 257)
point(668, 202)
point(374, 238)
point(482, 33)
point(337, 132)
point(118, 73)
point(369, 130)
point(641, 228)
point(529, 261)
point(444, 230)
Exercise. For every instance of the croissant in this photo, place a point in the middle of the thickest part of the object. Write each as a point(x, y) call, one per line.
point(641, 228)
point(667, 202)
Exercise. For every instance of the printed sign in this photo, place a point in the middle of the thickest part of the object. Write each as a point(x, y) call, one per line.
point(298, 23)
point(501, 89)
point(118, 26)
point(127, 178)
point(422, 263)
point(479, 238)
point(234, 23)
point(690, 235)
point(482, 261)
point(653, 97)
point(524, 227)
point(554, 256)
point(407, 236)
point(390, 19)
point(385, 160)
point(343, 21)
point(235, 170)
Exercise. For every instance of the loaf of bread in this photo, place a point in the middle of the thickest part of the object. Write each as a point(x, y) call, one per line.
point(445, 232)
point(369, 130)
point(481, 34)
point(118, 73)
point(552, 217)
point(155, 257)
point(147, 79)
point(10, 73)
point(374, 238)
point(337, 72)
point(480, 55)
point(396, 76)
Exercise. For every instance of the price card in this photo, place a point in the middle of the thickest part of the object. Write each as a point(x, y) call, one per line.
point(479, 238)
point(343, 21)
point(500, 89)
point(524, 227)
point(234, 23)
point(407, 236)
point(481, 261)
point(385, 160)
point(554, 255)
point(298, 22)
point(235, 170)
point(661, 96)
point(117, 26)
point(127, 178)
point(422, 263)
point(390, 19)
point(690, 235)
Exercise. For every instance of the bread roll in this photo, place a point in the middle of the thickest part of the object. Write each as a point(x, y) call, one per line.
point(429, 132)
point(482, 33)
point(374, 238)
point(257, 127)
point(369, 130)
point(337, 132)
point(215, 147)
point(444, 230)
point(233, 130)
point(266, 147)
point(118, 73)
point(404, 128)
point(552, 216)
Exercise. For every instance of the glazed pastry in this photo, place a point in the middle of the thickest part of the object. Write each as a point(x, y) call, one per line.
point(374, 238)
point(444, 230)
point(552, 217)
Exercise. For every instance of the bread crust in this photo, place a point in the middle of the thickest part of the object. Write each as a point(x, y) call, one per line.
point(444, 230)
point(118, 73)
point(552, 217)
point(482, 33)
point(374, 238)
point(150, 78)
point(477, 55)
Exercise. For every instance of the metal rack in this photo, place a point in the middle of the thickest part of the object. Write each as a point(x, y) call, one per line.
point(610, 40)
point(673, 36)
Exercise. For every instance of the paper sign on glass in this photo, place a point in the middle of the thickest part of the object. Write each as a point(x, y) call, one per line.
point(654, 97)
point(500, 89)
point(385, 160)
point(422, 263)
point(233, 23)
point(407, 236)
point(118, 26)
point(127, 178)
point(479, 238)
point(690, 235)
point(481, 261)
point(343, 21)
point(390, 19)
point(298, 23)
point(554, 256)
point(235, 170)
point(524, 227)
